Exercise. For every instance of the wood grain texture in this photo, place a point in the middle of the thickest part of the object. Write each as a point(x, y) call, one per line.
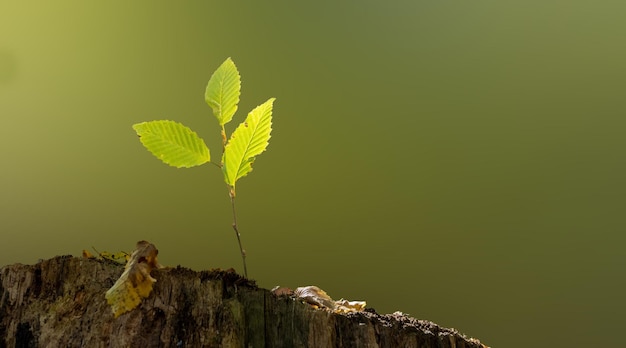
point(60, 303)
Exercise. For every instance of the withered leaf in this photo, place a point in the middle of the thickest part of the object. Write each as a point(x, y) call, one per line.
point(87, 254)
point(315, 296)
point(318, 297)
point(135, 283)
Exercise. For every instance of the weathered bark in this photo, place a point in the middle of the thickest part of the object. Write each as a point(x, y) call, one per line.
point(60, 303)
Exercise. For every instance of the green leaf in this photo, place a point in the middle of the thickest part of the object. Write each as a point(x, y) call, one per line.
point(223, 90)
point(247, 141)
point(173, 143)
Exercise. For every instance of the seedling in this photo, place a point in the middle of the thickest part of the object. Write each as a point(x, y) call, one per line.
point(180, 147)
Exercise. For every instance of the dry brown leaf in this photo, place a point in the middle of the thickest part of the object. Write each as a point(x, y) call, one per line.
point(135, 283)
point(318, 297)
point(315, 296)
point(345, 306)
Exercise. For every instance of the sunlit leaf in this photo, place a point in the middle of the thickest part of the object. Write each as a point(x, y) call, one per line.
point(223, 90)
point(247, 141)
point(173, 143)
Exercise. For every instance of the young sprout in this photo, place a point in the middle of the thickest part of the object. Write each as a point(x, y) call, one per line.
point(180, 147)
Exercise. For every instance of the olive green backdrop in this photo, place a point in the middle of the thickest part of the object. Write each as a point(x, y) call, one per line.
point(459, 161)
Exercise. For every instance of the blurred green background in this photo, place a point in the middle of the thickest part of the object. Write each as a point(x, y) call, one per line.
point(459, 161)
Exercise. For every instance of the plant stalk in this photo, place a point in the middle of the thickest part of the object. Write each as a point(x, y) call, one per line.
point(224, 139)
point(231, 193)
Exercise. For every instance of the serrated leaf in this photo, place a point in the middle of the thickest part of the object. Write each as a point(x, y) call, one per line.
point(173, 143)
point(223, 90)
point(247, 141)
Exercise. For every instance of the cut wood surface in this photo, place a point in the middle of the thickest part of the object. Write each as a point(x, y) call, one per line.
point(60, 302)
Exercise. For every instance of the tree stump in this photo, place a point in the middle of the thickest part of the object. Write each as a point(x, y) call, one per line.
point(60, 303)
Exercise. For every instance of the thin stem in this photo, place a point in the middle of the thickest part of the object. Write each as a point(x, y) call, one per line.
point(231, 193)
point(224, 139)
point(241, 249)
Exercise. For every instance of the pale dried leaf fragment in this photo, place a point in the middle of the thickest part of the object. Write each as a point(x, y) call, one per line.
point(315, 296)
point(135, 283)
point(345, 306)
point(318, 297)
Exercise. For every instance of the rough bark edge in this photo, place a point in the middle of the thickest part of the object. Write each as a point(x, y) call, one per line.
point(60, 302)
